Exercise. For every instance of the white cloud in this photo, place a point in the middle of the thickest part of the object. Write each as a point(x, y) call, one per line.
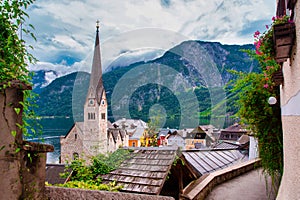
point(67, 28)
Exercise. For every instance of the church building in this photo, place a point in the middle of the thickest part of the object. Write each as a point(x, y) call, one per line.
point(95, 134)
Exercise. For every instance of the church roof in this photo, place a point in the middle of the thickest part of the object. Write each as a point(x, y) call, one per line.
point(78, 126)
point(96, 84)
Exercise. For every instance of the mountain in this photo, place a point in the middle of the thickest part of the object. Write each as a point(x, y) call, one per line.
point(42, 78)
point(183, 83)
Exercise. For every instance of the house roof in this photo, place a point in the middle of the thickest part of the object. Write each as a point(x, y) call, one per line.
point(115, 132)
point(203, 162)
point(225, 145)
point(145, 171)
point(134, 127)
point(130, 123)
point(235, 128)
point(137, 134)
point(244, 139)
point(53, 173)
point(177, 137)
point(164, 132)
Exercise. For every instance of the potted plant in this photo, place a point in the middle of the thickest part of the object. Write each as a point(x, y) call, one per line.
point(273, 47)
point(284, 35)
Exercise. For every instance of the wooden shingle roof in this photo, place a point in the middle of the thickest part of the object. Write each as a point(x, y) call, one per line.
point(145, 171)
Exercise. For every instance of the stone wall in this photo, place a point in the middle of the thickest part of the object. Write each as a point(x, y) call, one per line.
point(22, 164)
point(60, 193)
point(200, 188)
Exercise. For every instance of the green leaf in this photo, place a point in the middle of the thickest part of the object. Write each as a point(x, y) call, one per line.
point(17, 110)
point(14, 133)
point(18, 149)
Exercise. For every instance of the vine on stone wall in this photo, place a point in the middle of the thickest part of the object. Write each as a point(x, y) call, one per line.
point(15, 57)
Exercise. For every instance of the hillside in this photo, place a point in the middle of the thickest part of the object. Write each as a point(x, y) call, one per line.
point(189, 63)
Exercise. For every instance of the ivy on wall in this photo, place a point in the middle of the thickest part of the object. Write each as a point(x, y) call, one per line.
point(15, 56)
point(254, 91)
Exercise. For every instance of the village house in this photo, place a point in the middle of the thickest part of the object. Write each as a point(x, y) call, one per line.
point(232, 133)
point(164, 134)
point(135, 129)
point(197, 138)
point(95, 134)
point(175, 139)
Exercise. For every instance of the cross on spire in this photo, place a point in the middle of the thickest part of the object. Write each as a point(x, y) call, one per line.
point(97, 25)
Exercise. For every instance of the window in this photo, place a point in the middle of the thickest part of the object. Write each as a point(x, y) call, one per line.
point(91, 116)
point(102, 115)
point(133, 144)
point(75, 136)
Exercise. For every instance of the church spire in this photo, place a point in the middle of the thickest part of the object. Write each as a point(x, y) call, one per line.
point(96, 84)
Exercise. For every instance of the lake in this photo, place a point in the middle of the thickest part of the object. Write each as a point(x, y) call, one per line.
point(52, 129)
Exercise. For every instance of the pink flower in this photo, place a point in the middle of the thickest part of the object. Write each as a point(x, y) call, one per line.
point(267, 26)
point(273, 18)
point(268, 67)
point(256, 34)
point(258, 52)
point(266, 85)
point(290, 21)
point(258, 44)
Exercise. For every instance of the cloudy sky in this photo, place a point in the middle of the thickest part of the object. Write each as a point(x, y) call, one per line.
point(65, 29)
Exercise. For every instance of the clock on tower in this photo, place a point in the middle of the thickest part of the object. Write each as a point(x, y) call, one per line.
point(91, 102)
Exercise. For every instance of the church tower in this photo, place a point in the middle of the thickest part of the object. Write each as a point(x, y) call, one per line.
point(95, 107)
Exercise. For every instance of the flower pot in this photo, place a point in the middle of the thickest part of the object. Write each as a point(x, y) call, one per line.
point(284, 35)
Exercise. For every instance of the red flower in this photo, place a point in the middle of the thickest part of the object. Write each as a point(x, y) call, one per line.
point(267, 27)
point(258, 52)
point(256, 34)
point(273, 18)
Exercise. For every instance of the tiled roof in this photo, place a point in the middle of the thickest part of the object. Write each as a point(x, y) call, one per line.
point(53, 173)
point(145, 171)
point(235, 128)
point(204, 162)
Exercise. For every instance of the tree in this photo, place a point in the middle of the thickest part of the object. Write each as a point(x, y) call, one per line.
point(14, 56)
